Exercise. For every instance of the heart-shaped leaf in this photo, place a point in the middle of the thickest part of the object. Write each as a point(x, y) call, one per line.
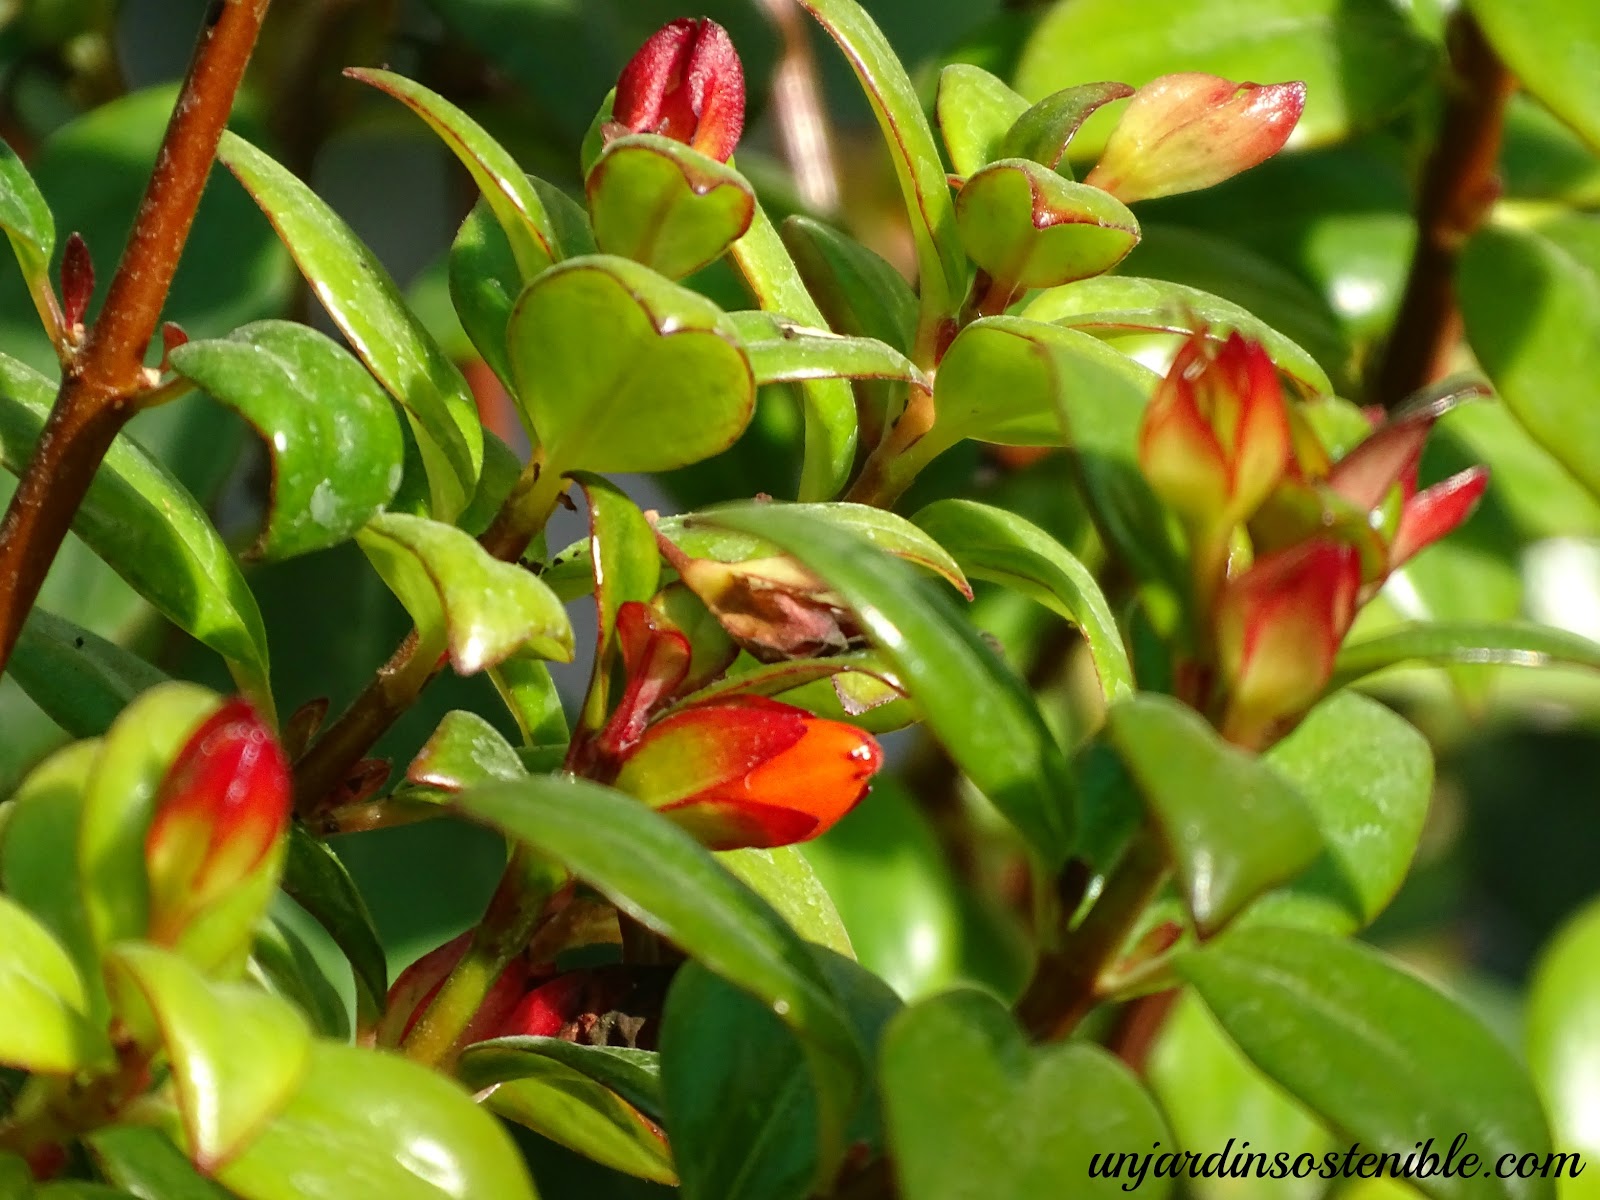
point(973, 1110)
point(330, 429)
point(516, 204)
point(1380, 1054)
point(80, 680)
point(666, 205)
point(975, 111)
point(672, 388)
point(237, 1053)
point(152, 532)
point(46, 1027)
point(462, 598)
point(365, 303)
point(1028, 227)
point(1233, 825)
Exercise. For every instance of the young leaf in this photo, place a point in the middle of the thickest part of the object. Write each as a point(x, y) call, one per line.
point(1000, 546)
point(482, 610)
point(1380, 1054)
point(627, 566)
point(330, 429)
point(464, 751)
point(1043, 133)
point(46, 1028)
point(152, 532)
point(783, 352)
point(971, 701)
point(975, 111)
point(525, 685)
point(80, 680)
point(365, 303)
point(515, 202)
point(31, 229)
point(672, 388)
point(956, 1071)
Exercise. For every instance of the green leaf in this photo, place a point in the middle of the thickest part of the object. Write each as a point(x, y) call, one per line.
point(1380, 1054)
point(1045, 130)
point(1367, 777)
point(1506, 643)
point(660, 876)
point(525, 685)
point(1531, 303)
point(485, 282)
point(1563, 1038)
point(940, 265)
point(666, 205)
point(1234, 826)
point(626, 567)
point(740, 1106)
point(81, 680)
point(515, 202)
point(330, 429)
point(829, 407)
point(635, 1075)
point(860, 293)
point(366, 306)
point(1027, 226)
point(282, 963)
point(152, 532)
point(970, 700)
point(464, 751)
point(1360, 59)
point(366, 1123)
point(973, 1110)
point(315, 879)
point(236, 1053)
point(26, 219)
point(975, 111)
point(463, 598)
point(783, 352)
point(1113, 305)
point(46, 1027)
point(784, 879)
point(145, 1162)
point(1550, 46)
point(672, 388)
point(1001, 547)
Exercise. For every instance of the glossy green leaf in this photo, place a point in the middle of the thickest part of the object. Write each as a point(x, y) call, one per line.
point(1000, 546)
point(973, 1110)
point(1541, 158)
point(672, 388)
point(366, 1123)
point(365, 303)
point(485, 282)
point(315, 879)
point(626, 567)
point(1367, 777)
point(464, 751)
point(859, 292)
point(1360, 59)
point(145, 1162)
point(1438, 644)
point(783, 352)
point(1233, 825)
point(1381, 1055)
point(282, 963)
point(515, 202)
point(666, 205)
point(750, 678)
point(739, 1100)
point(1531, 303)
point(461, 597)
point(236, 1053)
point(31, 230)
point(525, 685)
point(81, 680)
point(1048, 127)
point(1112, 305)
point(1563, 1040)
point(152, 532)
point(940, 265)
point(635, 1075)
point(1552, 49)
point(970, 700)
point(1027, 226)
point(330, 429)
point(660, 876)
point(784, 879)
point(976, 111)
point(46, 1027)
point(829, 408)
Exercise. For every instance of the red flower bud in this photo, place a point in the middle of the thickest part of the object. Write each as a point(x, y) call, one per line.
point(1215, 438)
point(219, 813)
point(751, 772)
point(418, 984)
point(1188, 131)
point(685, 83)
point(1429, 515)
point(615, 1005)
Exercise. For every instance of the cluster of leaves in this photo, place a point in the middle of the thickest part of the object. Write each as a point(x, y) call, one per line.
point(661, 981)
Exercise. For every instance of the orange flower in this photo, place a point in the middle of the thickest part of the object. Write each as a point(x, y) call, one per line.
point(685, 83)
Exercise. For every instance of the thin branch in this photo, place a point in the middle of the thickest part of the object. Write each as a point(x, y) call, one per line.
point(1458, 189)
point(107, 374)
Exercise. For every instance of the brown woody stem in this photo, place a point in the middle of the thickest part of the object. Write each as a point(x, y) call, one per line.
point(1458, 188)
point(102, 379)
